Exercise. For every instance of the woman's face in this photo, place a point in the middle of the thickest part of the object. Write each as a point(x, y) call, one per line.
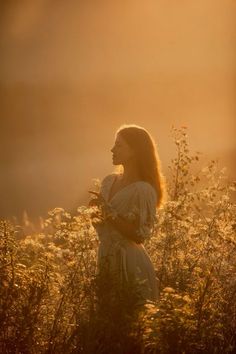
point(122, 152)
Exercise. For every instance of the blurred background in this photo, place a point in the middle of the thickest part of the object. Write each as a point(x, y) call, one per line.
point(71, 72)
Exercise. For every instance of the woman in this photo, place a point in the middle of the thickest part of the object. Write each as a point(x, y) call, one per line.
point(128, 200)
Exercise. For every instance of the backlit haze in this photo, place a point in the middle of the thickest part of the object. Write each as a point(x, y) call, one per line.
point(73, 71)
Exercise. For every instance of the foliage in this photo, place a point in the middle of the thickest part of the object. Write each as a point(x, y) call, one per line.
point(52, 300)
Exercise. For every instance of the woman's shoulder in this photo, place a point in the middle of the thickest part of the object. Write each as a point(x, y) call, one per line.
point(146, 189)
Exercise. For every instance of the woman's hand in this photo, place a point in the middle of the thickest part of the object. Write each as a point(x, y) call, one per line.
point(96, 219)
point(98, 201)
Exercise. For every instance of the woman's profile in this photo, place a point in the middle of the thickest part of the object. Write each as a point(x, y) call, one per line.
point(128, 199)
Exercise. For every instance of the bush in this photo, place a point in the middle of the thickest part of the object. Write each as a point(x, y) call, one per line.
point(52, 300)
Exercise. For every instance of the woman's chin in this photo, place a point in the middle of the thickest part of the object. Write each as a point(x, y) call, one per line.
point(115, 162)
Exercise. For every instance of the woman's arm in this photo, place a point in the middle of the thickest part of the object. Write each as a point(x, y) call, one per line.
point(126, 228)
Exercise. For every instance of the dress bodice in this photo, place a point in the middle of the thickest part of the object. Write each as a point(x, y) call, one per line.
point(134, 201)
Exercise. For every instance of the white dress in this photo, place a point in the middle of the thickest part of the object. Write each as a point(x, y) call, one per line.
point(123, 256)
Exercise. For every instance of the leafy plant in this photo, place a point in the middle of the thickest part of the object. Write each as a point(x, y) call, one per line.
point(53, 301)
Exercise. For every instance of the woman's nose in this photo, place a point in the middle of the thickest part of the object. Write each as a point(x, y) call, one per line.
point(112, 149)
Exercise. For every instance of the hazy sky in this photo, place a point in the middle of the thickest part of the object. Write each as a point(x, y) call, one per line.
point(72, 71)
point(89, 40)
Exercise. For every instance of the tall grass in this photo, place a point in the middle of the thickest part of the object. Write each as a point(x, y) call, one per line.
point(52, 300)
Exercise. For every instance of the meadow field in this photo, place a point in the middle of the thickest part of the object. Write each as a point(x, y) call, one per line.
point(52, 300)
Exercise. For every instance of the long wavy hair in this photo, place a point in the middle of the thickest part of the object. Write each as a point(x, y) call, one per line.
point(147, 159)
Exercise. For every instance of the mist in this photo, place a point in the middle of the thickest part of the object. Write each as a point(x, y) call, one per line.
point(72, 73)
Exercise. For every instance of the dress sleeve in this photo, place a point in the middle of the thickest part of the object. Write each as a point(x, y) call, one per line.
point(106, 182)
point(144, 210)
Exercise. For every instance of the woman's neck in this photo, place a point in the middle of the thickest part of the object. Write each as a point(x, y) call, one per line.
point(130, 174)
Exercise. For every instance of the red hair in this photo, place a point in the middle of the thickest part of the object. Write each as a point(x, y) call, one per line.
point(147, 159)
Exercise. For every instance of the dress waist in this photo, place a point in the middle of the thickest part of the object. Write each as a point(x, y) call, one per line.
point(110, 236)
